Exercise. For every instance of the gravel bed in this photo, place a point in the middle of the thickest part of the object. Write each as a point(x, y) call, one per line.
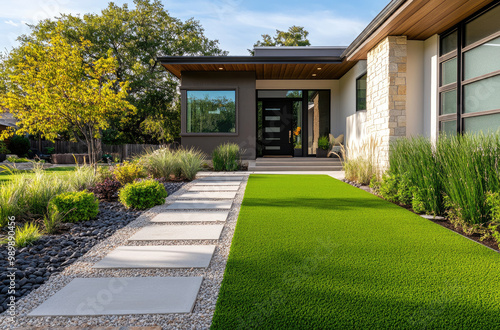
point(200, 318)
point(51, 254)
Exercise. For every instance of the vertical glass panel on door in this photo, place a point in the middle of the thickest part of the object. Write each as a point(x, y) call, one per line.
point(449, 127)
point(482, 95)
point(449, 72)
point(485, 124)
point(449, 43)
point(259, 128)
point(449, 102)
point(483, 26)
point(482, 59)
point(297, 126)
point(318, 118)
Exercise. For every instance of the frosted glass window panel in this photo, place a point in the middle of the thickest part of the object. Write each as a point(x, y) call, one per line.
point(449, 102)
point(482, 59)
point(272, 147)
point(273, 118)
point(449, 127)
point(449, 72)
point(483, 26)
point(485, 124)
point(272, 129)
point(482, 95)
point(449, 43)
point(273, 109)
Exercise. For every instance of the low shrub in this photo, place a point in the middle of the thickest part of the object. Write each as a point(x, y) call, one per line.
point(227, 157)
point(127, 172)
point(17, 160)
point(19, 145)
point(190, 162)
point(27, 235)
point(106, 189)
point(142, 195)
point(104, 173)
point(324, 143)
point(76, 206)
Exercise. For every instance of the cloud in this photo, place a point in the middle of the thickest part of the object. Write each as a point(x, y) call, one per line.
point(10, 22)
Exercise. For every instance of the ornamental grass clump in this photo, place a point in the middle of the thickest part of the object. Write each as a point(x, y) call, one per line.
point(142, 195)
point(360, 162)
point(414, 164)
point(190, 162)
point(160, 163)
point(469, 170)
point(27, 235)
point(227, 157)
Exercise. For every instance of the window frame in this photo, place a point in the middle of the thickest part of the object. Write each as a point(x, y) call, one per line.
point(184, 105)
point(366, 90)
point(460, 84)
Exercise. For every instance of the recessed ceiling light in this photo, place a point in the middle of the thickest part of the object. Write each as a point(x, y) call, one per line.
point(314, 75)
point(319, 68)
point(221, 68)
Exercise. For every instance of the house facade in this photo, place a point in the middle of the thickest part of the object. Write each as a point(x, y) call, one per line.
point(421, 67)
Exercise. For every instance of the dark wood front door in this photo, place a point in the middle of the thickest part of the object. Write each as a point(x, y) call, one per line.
point(277, 127)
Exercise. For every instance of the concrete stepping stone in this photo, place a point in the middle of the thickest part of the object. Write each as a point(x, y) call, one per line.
point(221, 178)
point(214, 188)
point(158, 256)
point(168, 233)
point(200, 205)
point(122, 296)
point(190, 216)
point(209, 194)
point(217, 183)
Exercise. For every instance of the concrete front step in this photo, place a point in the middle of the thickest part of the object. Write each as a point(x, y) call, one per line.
point(293, 168)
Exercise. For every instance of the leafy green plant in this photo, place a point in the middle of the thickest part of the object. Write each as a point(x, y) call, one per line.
point(227, 157)
point(52, 221)
point(190, 162)
point(104, 173)
point(27, 235)
point(50, 150)
point(127, 172)
point(324, 143)
point(77, 206)
point(3, 148)
point(19, 145)
point(142, 195)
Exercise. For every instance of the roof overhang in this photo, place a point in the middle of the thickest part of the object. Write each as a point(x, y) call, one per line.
point(416, 19)
point(265, 67)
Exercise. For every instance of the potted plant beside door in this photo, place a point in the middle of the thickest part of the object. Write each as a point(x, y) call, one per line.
point(297, 143)
point(323, 146)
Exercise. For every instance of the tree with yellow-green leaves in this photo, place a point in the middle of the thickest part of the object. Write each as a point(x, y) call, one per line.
point(53, 88)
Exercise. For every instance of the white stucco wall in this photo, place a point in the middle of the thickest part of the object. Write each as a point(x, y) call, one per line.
point(333, 85)
point(430, 94)
point(415, 72)
point(353, 122)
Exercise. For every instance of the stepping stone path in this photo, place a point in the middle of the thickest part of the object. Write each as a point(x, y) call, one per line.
point(209, 199)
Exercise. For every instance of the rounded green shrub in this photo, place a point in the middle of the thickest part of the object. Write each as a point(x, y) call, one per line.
point(75, 206)
point(142, 195)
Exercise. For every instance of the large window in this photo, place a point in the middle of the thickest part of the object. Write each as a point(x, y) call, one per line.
point(211, 112)
point(469, 89)
point(361, 93)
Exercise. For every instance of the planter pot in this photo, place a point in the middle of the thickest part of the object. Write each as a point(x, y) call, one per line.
point(3, 157)
point(321, 153)
point(297, 152)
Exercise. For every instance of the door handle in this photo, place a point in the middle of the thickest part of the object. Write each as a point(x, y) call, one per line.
point(290, 136)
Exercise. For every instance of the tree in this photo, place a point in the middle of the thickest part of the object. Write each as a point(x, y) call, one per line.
point(295, 36)
point(136, 38)
point(53, 87)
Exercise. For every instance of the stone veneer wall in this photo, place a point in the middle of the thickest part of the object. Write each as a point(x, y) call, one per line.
point(386, 94)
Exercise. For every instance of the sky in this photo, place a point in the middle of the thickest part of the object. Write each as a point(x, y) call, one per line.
point(237, 24)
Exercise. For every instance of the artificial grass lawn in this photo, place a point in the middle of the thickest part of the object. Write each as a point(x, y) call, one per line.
point(314, 252)
point(6, 176)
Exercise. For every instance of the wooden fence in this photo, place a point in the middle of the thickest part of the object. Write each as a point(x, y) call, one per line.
point(124, 151)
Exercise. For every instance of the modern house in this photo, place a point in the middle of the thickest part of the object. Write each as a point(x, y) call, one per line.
point(421, 67)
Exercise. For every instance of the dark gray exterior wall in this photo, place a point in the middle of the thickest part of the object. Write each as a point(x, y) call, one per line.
point(244, 84)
